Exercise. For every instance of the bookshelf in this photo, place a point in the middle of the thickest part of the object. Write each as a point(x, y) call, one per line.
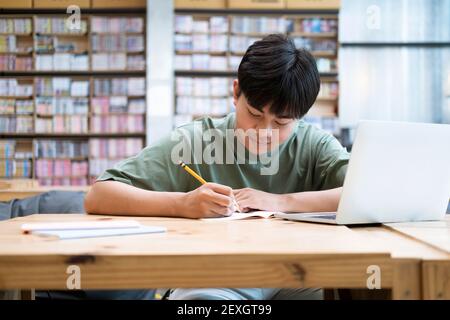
point(78, 104)
point(209, 45)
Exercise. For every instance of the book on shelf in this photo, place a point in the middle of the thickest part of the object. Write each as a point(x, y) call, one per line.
point(16, 124)
point(62, 86)
point(203, 106)
point(60, 171)
point(7, 106)
point(183, 23)
point(16, 44)
point(117, 104)
point(109, 61)
point(11, 62)
point(206, 62)
point(114, 148)
point(15, 25)
point(59, 43)
point(11, 149)
point(101, 24)
point(7, 149)
point(214, 24)
point(218, 24)
point(24, 106)
point(44, 44)
point(315, 45)
point(214, 86)
point(199, 96)
point(46, 168)
point(62, 105)
point(61, 149)
point(16, 106)
point(136, 62)
point(183, 42)
point(14, 163)
point(117, 42)
point(8, 43)
point(201, 42)
point(183, 62)
point(11, 87)
point(123, 123)
point(259, 25)
point(62, 124)
point(79, 89)
point(58, 25)
point(133, 86)
point(72, 181)
point(62, 62)
point(15, 168)
point(314, 25)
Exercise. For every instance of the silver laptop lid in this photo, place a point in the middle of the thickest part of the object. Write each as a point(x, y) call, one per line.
point(398, 171)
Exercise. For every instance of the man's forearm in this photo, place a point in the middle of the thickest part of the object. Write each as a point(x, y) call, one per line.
point(117, 198)
point(313, 201)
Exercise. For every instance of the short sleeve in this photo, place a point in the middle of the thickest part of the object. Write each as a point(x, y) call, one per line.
point(331, 163)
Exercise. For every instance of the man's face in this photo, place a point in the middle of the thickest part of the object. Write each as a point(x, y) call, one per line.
point(270, 129)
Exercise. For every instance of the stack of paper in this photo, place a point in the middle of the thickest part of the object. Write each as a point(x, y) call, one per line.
point(89, 229)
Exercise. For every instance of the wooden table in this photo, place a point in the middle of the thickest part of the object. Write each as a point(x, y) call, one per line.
point(435, 271)
point(409, 258)
point(20, 193)
point(193, 253)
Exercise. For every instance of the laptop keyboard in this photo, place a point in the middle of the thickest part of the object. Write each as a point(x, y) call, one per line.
point(325, 216)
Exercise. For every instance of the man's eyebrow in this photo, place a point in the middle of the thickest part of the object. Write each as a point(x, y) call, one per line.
point(253, 108)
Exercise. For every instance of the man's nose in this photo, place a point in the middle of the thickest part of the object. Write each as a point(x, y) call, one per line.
point(265, 131)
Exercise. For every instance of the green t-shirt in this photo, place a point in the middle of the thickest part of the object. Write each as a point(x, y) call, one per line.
point(309, 160)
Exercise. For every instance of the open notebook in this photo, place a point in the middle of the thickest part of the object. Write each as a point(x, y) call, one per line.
point(244, 215)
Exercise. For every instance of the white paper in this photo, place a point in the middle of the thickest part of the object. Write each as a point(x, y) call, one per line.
point(244, 215)
point(92, 233)
point(80, 225)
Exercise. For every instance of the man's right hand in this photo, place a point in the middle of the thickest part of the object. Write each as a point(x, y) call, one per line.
point(210, 200)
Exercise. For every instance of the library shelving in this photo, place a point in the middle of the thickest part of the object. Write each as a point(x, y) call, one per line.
point(209, 45)
point(66, 94)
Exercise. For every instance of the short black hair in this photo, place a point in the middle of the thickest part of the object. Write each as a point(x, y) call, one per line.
point(274, 72)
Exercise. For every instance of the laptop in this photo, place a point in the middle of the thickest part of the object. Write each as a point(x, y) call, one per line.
point(398, 172)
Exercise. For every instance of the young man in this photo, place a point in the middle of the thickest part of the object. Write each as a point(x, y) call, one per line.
point(287, 165)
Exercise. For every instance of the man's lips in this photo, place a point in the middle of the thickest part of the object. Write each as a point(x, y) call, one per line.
point(261, 140)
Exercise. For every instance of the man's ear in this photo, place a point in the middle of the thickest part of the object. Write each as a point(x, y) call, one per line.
point(236, 91)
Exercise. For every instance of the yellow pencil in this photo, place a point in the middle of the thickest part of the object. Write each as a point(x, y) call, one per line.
point(192, 172)
point(201, 180)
